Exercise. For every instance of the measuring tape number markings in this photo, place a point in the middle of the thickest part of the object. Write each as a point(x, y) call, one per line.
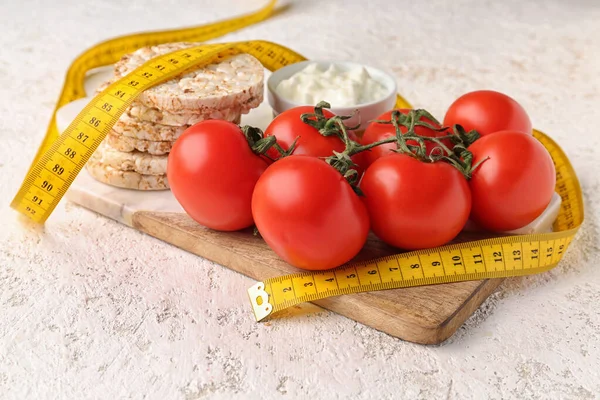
point(53, 173)
point(499, 257)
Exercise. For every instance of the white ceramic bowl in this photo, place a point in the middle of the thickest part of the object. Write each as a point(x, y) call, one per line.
point(366, 112)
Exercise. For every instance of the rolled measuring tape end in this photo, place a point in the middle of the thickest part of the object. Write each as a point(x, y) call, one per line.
point(259, 299)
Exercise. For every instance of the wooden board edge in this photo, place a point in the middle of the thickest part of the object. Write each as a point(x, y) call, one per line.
point(436, 334)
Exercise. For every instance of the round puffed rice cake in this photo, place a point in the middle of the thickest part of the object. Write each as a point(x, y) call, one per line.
point(126, 179)
point(156, 116)
point(135, 128)
point(166, 119)
point(234, 82)
point(128, 144)
point(136, 161)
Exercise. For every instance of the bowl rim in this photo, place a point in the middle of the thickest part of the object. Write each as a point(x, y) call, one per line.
point(289, 70)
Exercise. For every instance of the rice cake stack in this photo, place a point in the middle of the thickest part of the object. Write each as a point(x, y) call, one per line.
point(134, 154)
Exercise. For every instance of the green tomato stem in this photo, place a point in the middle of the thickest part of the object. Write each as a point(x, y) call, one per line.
point(459, 157)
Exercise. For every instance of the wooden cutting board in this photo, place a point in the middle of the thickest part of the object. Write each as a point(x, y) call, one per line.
point(428, 314)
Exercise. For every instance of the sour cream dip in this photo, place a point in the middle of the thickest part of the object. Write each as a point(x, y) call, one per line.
point(341, 87)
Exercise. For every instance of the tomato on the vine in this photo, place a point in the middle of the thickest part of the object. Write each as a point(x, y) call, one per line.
point(212, 172)
point(515, 183)
point(413, 204)
point(377, 131)
point(488, 112)
point(309, 214)
point(287, 127)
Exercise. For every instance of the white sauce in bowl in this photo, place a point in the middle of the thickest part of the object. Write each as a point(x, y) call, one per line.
point(338, 86)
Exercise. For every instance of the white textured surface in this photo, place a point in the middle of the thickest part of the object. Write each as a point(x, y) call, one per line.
point(92, 309)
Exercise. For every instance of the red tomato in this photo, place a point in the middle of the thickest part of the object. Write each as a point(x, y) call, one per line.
point(487, 112)
point(309, 214)
point(515, 185)
point(376, 132)
point(288, 126)
point(212, 172)
point(415, 205)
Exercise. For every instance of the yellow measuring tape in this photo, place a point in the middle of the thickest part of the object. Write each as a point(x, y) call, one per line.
point(110, 51)
point(499, 257)
point(53, 173)
point(61, 158)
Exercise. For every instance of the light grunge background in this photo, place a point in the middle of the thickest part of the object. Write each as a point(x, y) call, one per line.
point(93, 309)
